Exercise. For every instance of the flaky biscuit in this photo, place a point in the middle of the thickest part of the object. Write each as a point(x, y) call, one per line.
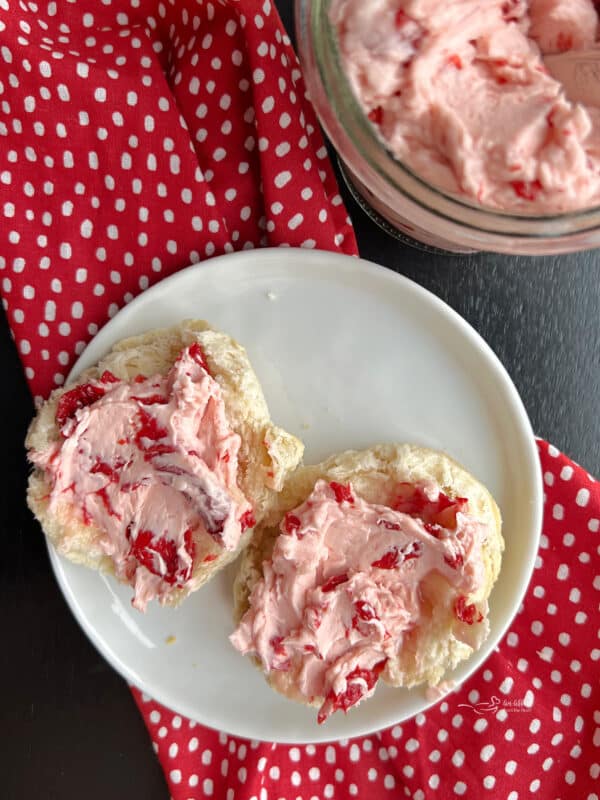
point(267, 453)
point(375, 474)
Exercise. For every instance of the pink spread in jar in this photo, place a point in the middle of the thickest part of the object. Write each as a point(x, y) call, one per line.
point(152, 463)
point(460, 94)
point(346, 584)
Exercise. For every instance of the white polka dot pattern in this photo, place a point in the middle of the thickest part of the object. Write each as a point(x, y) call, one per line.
point(527, 724)
point(137, 138)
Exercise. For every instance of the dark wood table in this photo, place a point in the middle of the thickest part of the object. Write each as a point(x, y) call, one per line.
point(69, 727)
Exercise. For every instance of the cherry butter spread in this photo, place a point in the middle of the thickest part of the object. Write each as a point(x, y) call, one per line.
point(349, 581)
point(461, 94)
point(152, 463)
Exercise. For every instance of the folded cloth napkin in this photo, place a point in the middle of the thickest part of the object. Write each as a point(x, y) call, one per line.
point(139, 137)
point(526, 724)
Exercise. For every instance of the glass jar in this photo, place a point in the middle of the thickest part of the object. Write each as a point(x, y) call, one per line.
point(390, 189)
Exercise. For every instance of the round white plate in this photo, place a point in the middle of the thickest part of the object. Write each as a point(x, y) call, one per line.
point(349, 354)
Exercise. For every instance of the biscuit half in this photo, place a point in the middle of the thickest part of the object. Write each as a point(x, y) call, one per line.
point(268, 454)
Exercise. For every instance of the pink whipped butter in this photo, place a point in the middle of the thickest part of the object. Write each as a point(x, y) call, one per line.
point(460, 93)
point(346, 585)
point(152, 463)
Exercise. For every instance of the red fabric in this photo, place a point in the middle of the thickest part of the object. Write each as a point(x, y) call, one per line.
point(527, 724)
point(139, 137)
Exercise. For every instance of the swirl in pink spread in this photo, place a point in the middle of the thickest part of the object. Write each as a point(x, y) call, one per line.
point(349, 580)
point(152, 463)
point(460, 93)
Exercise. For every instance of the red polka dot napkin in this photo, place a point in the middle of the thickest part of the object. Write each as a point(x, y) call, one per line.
point(527, 724)
point(136, 138)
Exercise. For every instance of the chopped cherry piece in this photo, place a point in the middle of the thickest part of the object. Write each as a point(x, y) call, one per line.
point(197, 353)
point(391, 526)
point(247, 520)
point(188, 543)
point(456, 60)
point(365, 610)
point(81, 396)
point(376, 115)
point(139, 378)
point(466, 612)
point(434, 530)
point(389, 560)
point(278, 648)
point(225, 457)
point(334, 582)
point(108, 377)
point(209, 557)
point(160, 557)
point(291, 523)
point(446, 518)
point(412, 550)
point(149, 429)
point(149, 550)
point(528, 190)
point(358, 683)
point(105, 469)
point(342, 492)
point(311, 648)
point(395, 557)
point(454, 561)
point(401, 19)
point(412, 500)
point(443, 502)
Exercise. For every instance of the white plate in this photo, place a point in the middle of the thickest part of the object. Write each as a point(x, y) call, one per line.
point(349, 354)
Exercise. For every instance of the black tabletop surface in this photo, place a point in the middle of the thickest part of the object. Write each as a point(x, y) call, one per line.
point(70, 729)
